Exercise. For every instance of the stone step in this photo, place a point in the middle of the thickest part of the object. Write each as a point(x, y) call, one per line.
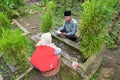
point(73, 44)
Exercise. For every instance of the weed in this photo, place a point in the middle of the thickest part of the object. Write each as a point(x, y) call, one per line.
point(4, 22)
point(9, 7)
point(14, 47)
point(95, 75)
point(47, 18)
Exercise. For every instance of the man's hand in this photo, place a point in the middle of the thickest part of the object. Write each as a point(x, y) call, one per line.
point(58, 32)
point(62, 34)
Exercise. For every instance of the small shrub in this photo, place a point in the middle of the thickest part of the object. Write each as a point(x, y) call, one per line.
point(117, 6)
point(96, 16)
point(4, 22)
point(14, 47)
point(47, 18)
point(9, 7)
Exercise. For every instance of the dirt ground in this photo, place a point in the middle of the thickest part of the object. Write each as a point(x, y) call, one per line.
point(110, 68)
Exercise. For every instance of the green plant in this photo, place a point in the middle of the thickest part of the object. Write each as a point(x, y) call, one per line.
point(47, 18)
point(112, 38)
point(117, 6)
point(4, 22)
point(96, 16)
point(110, 41)
point(9, 7)
point(14, 45)
point(95, 75)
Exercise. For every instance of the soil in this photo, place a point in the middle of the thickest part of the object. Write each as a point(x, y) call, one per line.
point(31, 23)
point(110, 68)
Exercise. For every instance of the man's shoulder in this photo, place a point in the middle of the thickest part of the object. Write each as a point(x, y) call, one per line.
point(74, 21)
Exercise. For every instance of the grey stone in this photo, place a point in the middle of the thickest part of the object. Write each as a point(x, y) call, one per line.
point(66, 41)
point(36, 38)
point(11, 67)
point(26, 32)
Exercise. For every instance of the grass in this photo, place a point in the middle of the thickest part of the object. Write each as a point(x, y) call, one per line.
point(112, 38)
point(95, 75)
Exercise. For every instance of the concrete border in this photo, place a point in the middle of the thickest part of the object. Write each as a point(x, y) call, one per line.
point(26, 32)
point(26, 72)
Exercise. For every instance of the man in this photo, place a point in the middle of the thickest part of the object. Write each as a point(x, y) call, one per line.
point(69, 27)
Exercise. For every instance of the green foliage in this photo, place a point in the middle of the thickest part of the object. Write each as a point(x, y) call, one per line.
point(14, 46)
point(47, 18)
point(117, 6)
point(112, 39)
point(4, 22)
point(9, 7)
point(96, 16)
point(95, 75)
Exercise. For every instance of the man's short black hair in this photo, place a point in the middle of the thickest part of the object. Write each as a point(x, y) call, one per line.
point(67, 13)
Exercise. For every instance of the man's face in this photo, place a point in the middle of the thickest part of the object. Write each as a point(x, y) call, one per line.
point(67, 18)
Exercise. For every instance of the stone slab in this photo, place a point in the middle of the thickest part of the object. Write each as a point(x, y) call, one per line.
point(36, 38)
point(66, 41)
point(26, 32)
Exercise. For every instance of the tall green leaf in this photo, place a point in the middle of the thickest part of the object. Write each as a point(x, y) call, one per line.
point(96, 16)
point(47, 18)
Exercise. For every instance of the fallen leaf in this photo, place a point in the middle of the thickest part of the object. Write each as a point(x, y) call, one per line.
point(33, 27)
point(28, 24)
